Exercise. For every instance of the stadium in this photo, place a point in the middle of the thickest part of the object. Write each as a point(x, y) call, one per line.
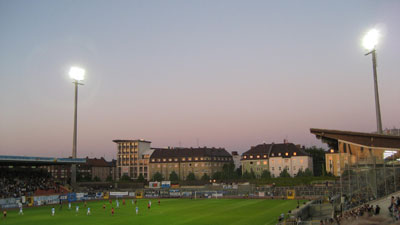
point(31, 193)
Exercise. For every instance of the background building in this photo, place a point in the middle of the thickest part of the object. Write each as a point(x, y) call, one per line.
point(133, 158)
point(275, 158)
point(236, 159)
point(183, 161)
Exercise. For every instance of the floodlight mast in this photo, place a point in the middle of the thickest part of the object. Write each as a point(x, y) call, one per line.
point(77, 74)
point(369, 42)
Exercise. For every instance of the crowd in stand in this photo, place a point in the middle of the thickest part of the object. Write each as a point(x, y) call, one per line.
point(17, 183)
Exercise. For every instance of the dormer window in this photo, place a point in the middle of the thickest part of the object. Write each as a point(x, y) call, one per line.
point(251, 156)
point(183, 159)
point(258, 156)
point(265, 156)
point(244, 157)
point(295, 153)
point(164, 160)
point(279, 154)
point(287, 153)
point(273, 154)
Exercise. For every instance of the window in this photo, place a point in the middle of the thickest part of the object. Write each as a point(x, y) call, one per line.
point(153, 160)
point(176, 159)
point(251, 156)
point(196, 164)
point(158, 165)
point(183, 159)
point(258, 162)
point(176, 165)
point(265, 156)
point(273, 154)
point(287, 153)
point(158, 160)
point(279, 168)
point(272, 168)
point(265, 162)
point(244, 157)
point(170, 159)
point(164, 160)
point(196, 158)
point(279, 154)
point(294, 153)
point(190, 158)
point(258, 156)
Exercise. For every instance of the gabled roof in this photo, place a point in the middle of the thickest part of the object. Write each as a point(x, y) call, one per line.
point(97, 162)
point(273, 150)
point(189, 152)
point(365, 139)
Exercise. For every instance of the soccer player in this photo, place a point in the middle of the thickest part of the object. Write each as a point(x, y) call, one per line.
point(104, 206)
point(112, 211)
point(77, 209)
point(137, 210)
point(20, 211)
point(88, 211)
point(110, 201)
point(69, 205)
point(4, 214)
point(159, 202)
point(117, 203)
point(85, 204)
point(135, 201)
point(148, 205)
point(53, 211)
point(132, 201)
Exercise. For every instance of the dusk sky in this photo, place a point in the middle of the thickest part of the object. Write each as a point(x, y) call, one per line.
point(229, 74)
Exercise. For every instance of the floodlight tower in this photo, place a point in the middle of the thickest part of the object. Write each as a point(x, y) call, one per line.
point(369, 42)
point(76, 74)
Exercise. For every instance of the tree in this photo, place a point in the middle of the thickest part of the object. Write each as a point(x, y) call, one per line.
point(300, 173)
point(248, 176)
point(125, 178)
point(239, 172)
point(284, 173)
point(228, 171)
point(96, 178)
point(318, 155)
point(308, 173)
point(191, 177)
point(109, 178)
point(173, 176)
point(140, 178)
point(157, 177)
point(217, 176)
point(266, 174)
point(205, 177)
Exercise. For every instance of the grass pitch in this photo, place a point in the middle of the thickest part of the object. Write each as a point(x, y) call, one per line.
point(170, 211)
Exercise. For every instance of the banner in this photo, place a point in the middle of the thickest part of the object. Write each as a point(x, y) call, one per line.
point(119, 193)
point(166, 184)
point(154, 185)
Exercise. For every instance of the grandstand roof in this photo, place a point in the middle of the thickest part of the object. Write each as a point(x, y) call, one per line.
point(130, 140)
point(364, 139)
point(29, 160)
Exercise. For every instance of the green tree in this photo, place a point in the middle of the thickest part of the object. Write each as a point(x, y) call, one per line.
point(157, 177)
point(300, 173)
point(205, 177)
point(284, 173)
point(140, 178)
point(228, 171)
point(217, 176)
point(96, 178)
point(248, 176)
point(125, 178)
point(239, 172)
point(173, 176)
point(191, 177)
point(109, 178)
point(266, 174)
point(318, 156)
point(308, 173)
